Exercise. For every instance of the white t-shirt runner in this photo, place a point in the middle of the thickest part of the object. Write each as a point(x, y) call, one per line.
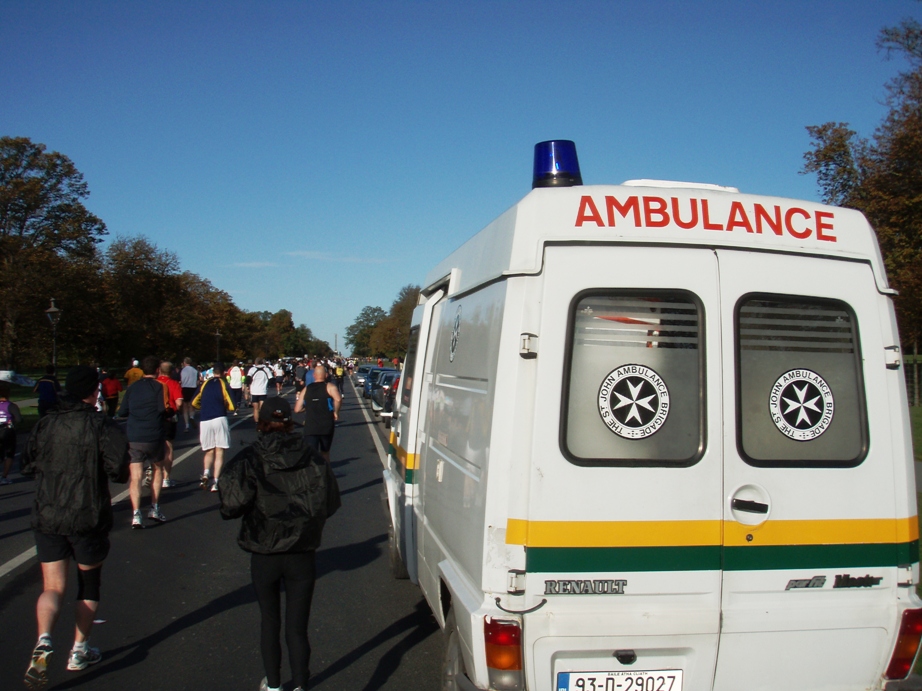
point(259, 375)
point(236, 377)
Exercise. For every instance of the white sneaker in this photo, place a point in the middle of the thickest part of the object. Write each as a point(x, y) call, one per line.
point(81, 659)
point(214, 486)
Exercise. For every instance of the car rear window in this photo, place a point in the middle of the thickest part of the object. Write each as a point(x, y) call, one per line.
point(800, 398)
point(634, 387)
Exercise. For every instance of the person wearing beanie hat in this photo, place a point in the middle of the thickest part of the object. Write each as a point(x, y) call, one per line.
point(72, 511)
point(284, 491)
point(82, 381)
point(133, 374)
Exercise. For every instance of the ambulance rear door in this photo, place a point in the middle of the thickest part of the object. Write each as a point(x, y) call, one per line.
point(813, 534)
point(624, 511)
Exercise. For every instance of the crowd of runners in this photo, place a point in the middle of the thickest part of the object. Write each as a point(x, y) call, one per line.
point(78, 447)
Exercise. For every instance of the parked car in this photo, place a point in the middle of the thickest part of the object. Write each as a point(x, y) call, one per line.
point(372, 377)
point(380, 389)
point(360, 373)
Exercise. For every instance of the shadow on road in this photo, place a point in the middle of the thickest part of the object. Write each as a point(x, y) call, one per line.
point(137, 652)
point(417, 626)
point(349, 557)
point(370, 483)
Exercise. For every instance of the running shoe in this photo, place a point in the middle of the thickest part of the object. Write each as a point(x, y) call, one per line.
point(214, 486)
point(5, 481)
point(136, 521)
point(203, 481)
point(37, 674)
point(167, 483)
point(155, 514)
point(81, 659)
point(264, 686)
point(148, 475)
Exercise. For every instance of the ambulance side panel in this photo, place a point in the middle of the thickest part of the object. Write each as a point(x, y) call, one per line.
point(455, 445)
point(400, 477)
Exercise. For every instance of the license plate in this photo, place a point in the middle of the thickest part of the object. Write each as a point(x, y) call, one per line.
point(651, 680)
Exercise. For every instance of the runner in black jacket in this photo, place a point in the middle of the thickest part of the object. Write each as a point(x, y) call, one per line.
point(284, 490)
point(73, 452)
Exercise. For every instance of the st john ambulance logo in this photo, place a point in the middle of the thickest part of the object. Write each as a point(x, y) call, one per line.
point(633, 401)
point(801, 404)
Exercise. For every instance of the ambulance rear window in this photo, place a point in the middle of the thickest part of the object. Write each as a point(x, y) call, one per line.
point(634, 389)
point(800, 398)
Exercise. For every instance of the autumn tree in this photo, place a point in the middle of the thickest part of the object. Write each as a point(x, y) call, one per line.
point(358, 334)
point(42, 220)
point(882, 175)
point(392, 334)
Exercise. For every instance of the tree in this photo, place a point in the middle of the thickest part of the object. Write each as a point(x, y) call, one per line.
point(392, 334)
point(358, 334)
point(42, 219)
point(882, 176)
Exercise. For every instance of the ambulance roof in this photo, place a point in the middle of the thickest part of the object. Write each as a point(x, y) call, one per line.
point(655, 212)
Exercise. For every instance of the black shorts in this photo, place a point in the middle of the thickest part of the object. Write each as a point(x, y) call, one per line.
point(188, 394)
point(87, 549)
point(258, 399)
point(169, 429)
point(320, 442)
point(146, 452)
point(7, 442)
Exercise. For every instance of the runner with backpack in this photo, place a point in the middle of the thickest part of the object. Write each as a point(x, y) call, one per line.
point(258, 378)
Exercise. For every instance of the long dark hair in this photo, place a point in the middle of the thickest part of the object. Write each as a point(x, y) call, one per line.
point(275, 426)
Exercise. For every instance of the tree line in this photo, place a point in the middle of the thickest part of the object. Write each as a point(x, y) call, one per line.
point(125, 301)
point(376, 333)
point(881, 175)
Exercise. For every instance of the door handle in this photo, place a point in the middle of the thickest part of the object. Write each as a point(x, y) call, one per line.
point(749, 506)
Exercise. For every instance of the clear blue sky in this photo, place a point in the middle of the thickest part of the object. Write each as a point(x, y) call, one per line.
point(317, 156)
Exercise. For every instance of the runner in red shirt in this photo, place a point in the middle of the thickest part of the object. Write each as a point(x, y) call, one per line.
point(111, 387)
point(175, 396)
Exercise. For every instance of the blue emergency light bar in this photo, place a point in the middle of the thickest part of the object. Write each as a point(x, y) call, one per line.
point(556, 164)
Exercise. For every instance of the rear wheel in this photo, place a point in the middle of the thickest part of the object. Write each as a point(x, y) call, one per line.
point(452, 662)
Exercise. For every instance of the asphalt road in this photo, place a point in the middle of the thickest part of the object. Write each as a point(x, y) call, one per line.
point(178, 611)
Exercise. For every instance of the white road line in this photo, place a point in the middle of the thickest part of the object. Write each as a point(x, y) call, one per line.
point(371, 428)
point(18, 561)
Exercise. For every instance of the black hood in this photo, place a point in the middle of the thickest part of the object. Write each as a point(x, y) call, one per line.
point(280, 451)
point(67, 403)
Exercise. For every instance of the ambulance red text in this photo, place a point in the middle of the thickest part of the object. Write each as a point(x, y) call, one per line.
point(660, 212)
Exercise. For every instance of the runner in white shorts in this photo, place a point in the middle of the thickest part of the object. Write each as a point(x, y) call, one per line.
point(214, 401)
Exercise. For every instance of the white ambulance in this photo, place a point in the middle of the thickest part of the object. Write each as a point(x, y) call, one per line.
point(655, 437)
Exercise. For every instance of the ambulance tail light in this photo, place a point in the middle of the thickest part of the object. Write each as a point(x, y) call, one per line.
point(907, 645)
point(556, 164)
point(503, 641)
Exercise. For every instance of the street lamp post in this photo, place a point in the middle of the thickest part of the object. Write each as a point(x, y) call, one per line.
point(54, 315)
point(217, 335)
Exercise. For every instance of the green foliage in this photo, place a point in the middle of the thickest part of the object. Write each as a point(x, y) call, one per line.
point(882, 176)
point(43, 225)
point(358, 334)
point(392, 334)
point(128, 302)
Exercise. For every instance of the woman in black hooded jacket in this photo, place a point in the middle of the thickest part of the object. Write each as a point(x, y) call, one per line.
point(284, 491)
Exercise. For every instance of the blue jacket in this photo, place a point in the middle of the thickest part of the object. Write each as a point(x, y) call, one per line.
point(213, 399)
